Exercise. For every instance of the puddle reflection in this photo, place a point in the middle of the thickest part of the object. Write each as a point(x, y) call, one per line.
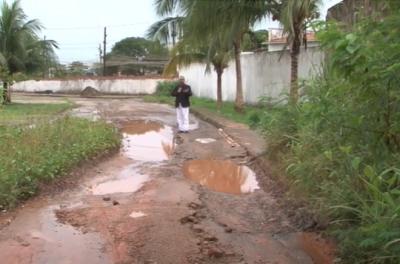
point(147, 141)
point(128, 181)
point(221, 176)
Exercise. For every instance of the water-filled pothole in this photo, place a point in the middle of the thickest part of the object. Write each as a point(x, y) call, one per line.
point(319, 249)
point(147, 141)
point(221, 176)
point(129, 180)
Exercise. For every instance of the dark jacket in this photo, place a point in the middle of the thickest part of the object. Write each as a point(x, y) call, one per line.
point(182, 97)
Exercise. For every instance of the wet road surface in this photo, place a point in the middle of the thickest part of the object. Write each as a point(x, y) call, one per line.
point(162, 199)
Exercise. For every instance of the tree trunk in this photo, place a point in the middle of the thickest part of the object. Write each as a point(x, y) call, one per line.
point(173, 33)
point(294, 68)
point(239, 102)
point(219, 71)
point(6, 93)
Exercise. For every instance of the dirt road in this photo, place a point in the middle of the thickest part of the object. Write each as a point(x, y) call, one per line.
point(164, 198)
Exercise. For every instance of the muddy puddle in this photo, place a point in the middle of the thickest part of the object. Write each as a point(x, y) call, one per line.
point(129, 180)
point(147, 141)
point(37, 237)
point(221, 176)
point(143, 141)
point(320, 250)
point(67, 243)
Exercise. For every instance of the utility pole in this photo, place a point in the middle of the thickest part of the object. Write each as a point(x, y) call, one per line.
point(100, 54)
point(100, 58)
point(44, 54)
point(104, 51)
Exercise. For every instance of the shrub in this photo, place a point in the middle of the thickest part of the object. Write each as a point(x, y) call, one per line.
point(47, 151)
point(341, 145)
point(165, 88)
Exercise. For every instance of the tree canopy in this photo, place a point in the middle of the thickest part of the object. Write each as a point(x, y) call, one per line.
point(21, 49)
point(139, 47)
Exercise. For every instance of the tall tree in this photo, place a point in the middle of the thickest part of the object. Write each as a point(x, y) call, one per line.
point(230, 19)
point(77, 68)
point(19, 42)
point(294, 16)
point(139, 47)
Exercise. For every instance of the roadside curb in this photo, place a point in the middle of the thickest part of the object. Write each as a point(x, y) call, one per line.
point(206, 118)
point(220, 122)
point(77, 95)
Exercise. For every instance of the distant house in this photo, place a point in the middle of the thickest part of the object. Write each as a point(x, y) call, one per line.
point(277, 40)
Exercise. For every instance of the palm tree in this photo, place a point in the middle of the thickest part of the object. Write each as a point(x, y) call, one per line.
point(169, 28)
point(40, 56)
point(231, 20)
point(19, 42)
point(294, 16)
point(184, 54)
point(166, 30)
point(203, 19)
point(220, 61)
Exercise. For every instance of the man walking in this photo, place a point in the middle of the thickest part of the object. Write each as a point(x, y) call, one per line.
point(182, 92)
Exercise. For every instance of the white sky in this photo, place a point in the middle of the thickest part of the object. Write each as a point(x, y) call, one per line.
point(77, 25)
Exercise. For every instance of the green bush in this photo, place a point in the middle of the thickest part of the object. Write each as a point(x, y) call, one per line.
point(165, 88)
point(45, 152)
point(341, 144)
point(19, 77)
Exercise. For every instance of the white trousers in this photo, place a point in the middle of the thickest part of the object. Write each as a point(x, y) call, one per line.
point(182, 116)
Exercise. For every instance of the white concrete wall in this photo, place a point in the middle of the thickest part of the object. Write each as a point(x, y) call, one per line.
point(280, 46)
point(114, 86)
point(263, 75)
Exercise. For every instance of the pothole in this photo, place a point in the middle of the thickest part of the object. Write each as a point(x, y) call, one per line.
point(221, 176)
point(147, 141)
point(319, 249)
point(128, 181)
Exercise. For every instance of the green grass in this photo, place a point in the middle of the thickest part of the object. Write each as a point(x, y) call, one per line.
point(17, 112)
point(30, 156)
point(250, 117)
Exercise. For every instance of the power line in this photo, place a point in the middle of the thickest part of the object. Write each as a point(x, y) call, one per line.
point(77, 48)
point(94, 43)
point(98, 27)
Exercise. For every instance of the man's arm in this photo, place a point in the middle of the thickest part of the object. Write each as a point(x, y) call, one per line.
point(175, 91)
point(189, 92)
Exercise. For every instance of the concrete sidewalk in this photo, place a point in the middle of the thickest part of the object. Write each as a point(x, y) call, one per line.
point(253, 142)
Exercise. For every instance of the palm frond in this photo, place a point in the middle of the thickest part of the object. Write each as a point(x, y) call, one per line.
point(183, 55)
point(164, 29)
point(165, 7)
point(20, 46)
